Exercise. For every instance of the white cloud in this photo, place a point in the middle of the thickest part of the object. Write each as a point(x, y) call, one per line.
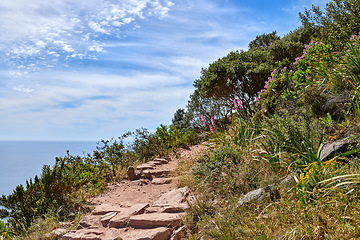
point(145, 69)
point(42, 28)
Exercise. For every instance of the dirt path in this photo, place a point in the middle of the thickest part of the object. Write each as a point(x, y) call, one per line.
point(151, 208)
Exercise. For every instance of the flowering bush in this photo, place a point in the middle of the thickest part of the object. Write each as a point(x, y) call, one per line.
point(277, 87)
point(313, 66)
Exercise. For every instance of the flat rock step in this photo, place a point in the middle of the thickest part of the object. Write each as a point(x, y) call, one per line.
point(154, 162)
point(173, 197)
point(182, 207)
point(119, 220)
point(154, 220)
point(106, 208)
point(145, 166)
point(84, 234)
point(162, 160)
point(160, 181)
point(161, 233)
point(157, 172)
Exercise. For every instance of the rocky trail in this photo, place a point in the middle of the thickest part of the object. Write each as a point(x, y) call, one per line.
point(146, 206)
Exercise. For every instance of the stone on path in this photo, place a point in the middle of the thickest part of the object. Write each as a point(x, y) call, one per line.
point(145, 166)
point(106, 208)
point(160, 181)
point(162, 160)
point(84, 234)
point(132, 174)
point(156, 172)
point(161, 233)
point(153, 220)
point(172, 197)
point(120, 219)
point(107, 217)
point(155, 162)
point(179, 233)
point(89, 221)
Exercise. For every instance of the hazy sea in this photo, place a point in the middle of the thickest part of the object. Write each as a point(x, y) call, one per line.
point(21, 160)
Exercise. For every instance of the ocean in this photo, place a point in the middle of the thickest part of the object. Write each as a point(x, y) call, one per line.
point(22, 160)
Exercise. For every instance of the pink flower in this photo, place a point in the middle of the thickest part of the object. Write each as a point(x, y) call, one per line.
point(265, 110)
point(211, 129)
point(240, 104)
point(203, 119)
point(235, 104)
point(213, 122)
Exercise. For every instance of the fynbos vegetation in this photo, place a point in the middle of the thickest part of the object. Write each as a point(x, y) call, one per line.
point(269, 116)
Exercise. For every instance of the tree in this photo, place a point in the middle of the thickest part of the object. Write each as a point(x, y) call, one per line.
point(178, 120)
point(264, 41)
point(339, 21)
point(239, 75)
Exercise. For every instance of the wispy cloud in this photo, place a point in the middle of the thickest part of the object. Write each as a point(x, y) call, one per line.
point(42, 32)
point(96, 68)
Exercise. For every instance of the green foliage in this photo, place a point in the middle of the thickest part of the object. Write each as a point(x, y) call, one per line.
point(238, 75)
point(340, 19)
point(114, 153)
point(264, 41)
point(164, 140)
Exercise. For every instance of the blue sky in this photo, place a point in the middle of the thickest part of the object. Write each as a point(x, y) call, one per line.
point(94, 69)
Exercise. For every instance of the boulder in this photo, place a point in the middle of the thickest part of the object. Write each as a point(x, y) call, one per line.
point(329, 149)
point(132, 174)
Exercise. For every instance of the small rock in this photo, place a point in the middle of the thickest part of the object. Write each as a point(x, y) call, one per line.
point(142, 182)
point(252, 196)
point(59, 232)
point(89, 221)
point(107, 217)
